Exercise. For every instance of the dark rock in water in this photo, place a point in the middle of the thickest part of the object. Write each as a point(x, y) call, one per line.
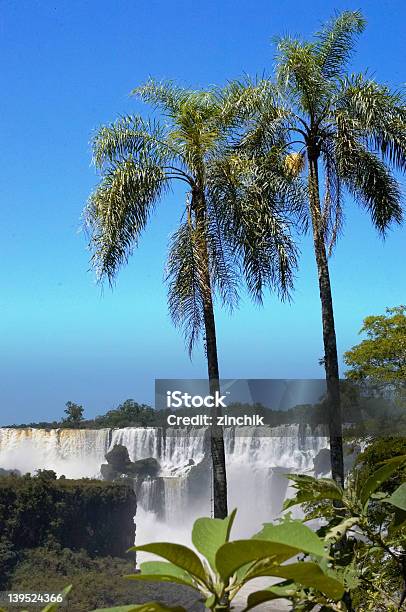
point(322, 462)
point(144, 467)
point(108, 472)
point(118, 457)
point(199, 478)
point(119, 462)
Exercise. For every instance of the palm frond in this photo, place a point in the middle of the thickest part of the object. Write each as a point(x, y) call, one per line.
point(262, 115)
point(370, 181)
point(336, 40)
point(250, 206)
point(378, 114)
point(131, 136)
point(118, 211)
point(240, 100)
point(332, 209)
point(198, 131)
point(163, 95)
point(185, 298)
point(223, 261)
point(299, 75)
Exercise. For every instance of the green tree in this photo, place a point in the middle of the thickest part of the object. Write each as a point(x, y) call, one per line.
point(371, 528)
point(74, 413)
point(381, 357)
point(139, 160)
point(344, 133)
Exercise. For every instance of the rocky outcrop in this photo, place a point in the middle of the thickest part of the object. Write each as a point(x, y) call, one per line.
point(119, 464)
point(322, 462)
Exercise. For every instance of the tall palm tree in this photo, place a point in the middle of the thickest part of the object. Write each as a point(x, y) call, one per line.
point(139, 161)
point(344, 133)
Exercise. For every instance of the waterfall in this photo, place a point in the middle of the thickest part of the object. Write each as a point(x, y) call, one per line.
point(257, 464)
point(175, 499)
point(75, 453)
point(141, 442)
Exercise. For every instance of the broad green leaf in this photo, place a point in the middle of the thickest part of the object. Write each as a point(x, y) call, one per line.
point(398, 520)
point(158, 578)
point(163, 568)
point(380, 476)
point(179, 555)
point(398, 497)
point(293, 533)
point(300, 478)
point(300, 498)
point(311, 489)
point(310, 575)
point(260, 597)
point(209, 534)
point(233, 555)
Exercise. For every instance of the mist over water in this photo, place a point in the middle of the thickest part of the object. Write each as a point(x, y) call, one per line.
point(167, 506)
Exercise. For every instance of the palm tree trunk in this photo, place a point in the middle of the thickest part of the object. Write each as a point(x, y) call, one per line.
point(220, 509)
point(329, 334)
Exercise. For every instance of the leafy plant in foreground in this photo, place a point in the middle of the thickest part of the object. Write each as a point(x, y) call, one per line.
point(367, 536)
point(227, 565)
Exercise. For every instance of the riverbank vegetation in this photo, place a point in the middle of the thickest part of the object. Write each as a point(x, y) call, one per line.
point(82, 515)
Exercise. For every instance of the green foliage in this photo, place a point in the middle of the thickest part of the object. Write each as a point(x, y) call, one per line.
point(381, 357)
point(80, 514)
point(132, 414)
point(74, 413)
point(127, 414)
point(381, 475)
point(228, 565)
point(398, 498)
point(366, 530)
point(96, 581)
point(376, 453)
point(209, 534)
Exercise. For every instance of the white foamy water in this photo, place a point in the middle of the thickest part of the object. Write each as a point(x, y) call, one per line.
point(256, 468)
point(76, 453)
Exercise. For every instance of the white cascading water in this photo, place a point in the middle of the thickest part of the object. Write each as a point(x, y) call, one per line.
point(256, 466)
point(76, 453)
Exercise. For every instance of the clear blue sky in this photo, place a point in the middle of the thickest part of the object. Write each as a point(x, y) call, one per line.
point(67, 67)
